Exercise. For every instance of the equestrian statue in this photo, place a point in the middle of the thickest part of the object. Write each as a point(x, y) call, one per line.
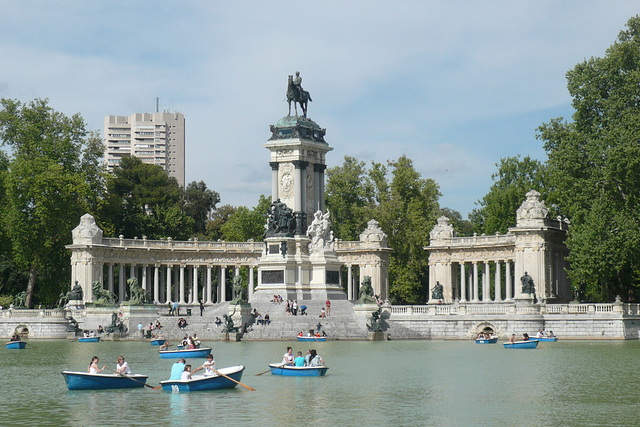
point(298, 95)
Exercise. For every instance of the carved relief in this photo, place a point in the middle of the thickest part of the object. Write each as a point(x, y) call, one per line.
point(442, 230)
point(532, 211)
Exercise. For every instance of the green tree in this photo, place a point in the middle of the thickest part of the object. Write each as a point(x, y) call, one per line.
point(45, 190)
point(407, 213)
point(199, 201)
point(594, 166)
point(350, 196)
point(245, 223)
point(514, 179)
point(142, 200)
point(463, 227)
point(218, 218)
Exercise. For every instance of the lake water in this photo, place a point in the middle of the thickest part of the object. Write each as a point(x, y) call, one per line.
point(390, 383)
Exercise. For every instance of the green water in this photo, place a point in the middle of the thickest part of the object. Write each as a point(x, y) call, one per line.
point(369, 383)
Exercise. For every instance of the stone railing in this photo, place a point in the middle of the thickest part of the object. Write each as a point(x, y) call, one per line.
point(511, 308)
point(183, 244)
point(23, 312)
point(482, 240)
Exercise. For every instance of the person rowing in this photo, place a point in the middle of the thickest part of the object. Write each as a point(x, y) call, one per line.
point(288, 358)
point(122, 367)
point(93, 366)
point(209, 366)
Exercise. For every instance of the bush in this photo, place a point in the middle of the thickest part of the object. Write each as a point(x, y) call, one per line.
point(6, 300)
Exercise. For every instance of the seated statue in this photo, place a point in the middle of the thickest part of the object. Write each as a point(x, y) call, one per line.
point(76, 293)
point(527, 284)
point(437, 292)
point(366, 291)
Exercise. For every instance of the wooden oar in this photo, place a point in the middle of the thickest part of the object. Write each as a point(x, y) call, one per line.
point(133, 379)
point(237, 382)
point(31, 345)
point(270, 369)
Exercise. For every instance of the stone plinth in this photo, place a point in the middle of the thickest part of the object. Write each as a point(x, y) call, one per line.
point(378, 336)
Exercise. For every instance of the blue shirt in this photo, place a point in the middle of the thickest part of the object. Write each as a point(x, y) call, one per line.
point(176, 371)
point(299, 361)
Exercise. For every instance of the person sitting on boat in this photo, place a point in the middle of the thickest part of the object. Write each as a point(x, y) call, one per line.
point(209, 366)
point(192, 345)
point(300, 333)
point(93, 366)
point(288, 358)
point(177, 369)
point(186, 374)
point(299, 361)
point(310, 333)
point(15, 338)
point(539, 334)
point(551, 335)
point(196, 341)
point(165, 345)
point(185, 341)
point(525, 337)
point(92, 334)
point(307, 358)
point(513, 338)
point(315, 359)
point(122, 367)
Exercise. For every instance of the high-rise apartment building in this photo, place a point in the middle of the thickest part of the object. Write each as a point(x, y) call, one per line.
point(156, 139)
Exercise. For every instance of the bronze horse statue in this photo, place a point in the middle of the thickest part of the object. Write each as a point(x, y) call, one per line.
point(298, 96)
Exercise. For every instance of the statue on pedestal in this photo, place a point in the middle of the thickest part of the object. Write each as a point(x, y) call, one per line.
point(437, 292)
point(76, 293)
point(103, 296)
point(366, 291)
point(138, 296)
point(281, 222)
point(298, 95)
point(527, 284)
point(239, 291)
point(320, 233)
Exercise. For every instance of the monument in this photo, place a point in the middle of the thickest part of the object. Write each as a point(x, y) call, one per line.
point(299, 261)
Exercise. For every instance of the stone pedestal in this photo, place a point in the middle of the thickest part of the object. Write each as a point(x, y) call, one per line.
point(524, 299)
point(240, 314)
point(378, 336)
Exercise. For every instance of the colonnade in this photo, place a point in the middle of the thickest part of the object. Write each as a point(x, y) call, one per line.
point(473, 282)
point(183, 283)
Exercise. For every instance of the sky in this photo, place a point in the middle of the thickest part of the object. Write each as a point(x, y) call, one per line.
point(453, 85)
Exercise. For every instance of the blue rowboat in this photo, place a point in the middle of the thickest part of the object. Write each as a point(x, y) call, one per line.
point(16, 345)
point(547, 339)
point(201, 383)
point(158, 341)
point(89, 339)
point(87, 381)
point(487, 340)
point(522, 344)
point(297, 371)
point(194, 353)
point(312, 339)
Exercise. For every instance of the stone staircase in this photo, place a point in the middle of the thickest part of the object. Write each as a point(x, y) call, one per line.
point(341, 323)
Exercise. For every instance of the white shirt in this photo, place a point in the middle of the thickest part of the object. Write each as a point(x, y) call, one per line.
point(123, 369)
point(287, 358)
point(186, 375)
point(209, 367)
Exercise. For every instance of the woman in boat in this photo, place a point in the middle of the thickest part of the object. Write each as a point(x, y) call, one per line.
point(525, 337)
point(208, 366)
point(165, 346)
point(122, 367)
point(15, 338)
point(93, 366)
point(315, 359)
point(288, 358)
point(192, 345)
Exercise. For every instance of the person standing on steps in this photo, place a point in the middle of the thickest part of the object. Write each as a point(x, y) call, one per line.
point(328, 304)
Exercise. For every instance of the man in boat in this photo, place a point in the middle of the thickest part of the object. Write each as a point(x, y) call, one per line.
point(288, 358)
point(165, 345)
point(177, 369)
point(513, 338)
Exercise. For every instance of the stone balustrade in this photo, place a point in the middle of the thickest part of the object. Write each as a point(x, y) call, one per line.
point(21, 312)
point(497, 309)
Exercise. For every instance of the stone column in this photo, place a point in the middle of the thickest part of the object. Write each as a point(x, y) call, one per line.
point(176, 284)
point(190, 285)
point(223, 287)
point(475, 281)
point(168, 284)
point(110, 283)
point(508, 283)
point(318, 170)
point(486, 292)
point(132, 271)
point(121, 290)
point(498, 283)
point(156, 284)
point(274, 180)
point(144, 278)
point(195, 285)
point(250, 285)
point(463, 285)
point(299, 188)
point(350, 284)
point(208, 297)
point(182, 301)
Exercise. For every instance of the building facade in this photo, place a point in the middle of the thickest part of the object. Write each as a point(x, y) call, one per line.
point(155, 138)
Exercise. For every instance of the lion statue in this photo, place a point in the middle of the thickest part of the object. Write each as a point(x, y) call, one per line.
point(137, 295)
point(102, 296)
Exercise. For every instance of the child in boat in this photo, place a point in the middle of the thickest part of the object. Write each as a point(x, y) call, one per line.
point(93, 366)
point(209, 366)
point(186, 374)
point(299, 360)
